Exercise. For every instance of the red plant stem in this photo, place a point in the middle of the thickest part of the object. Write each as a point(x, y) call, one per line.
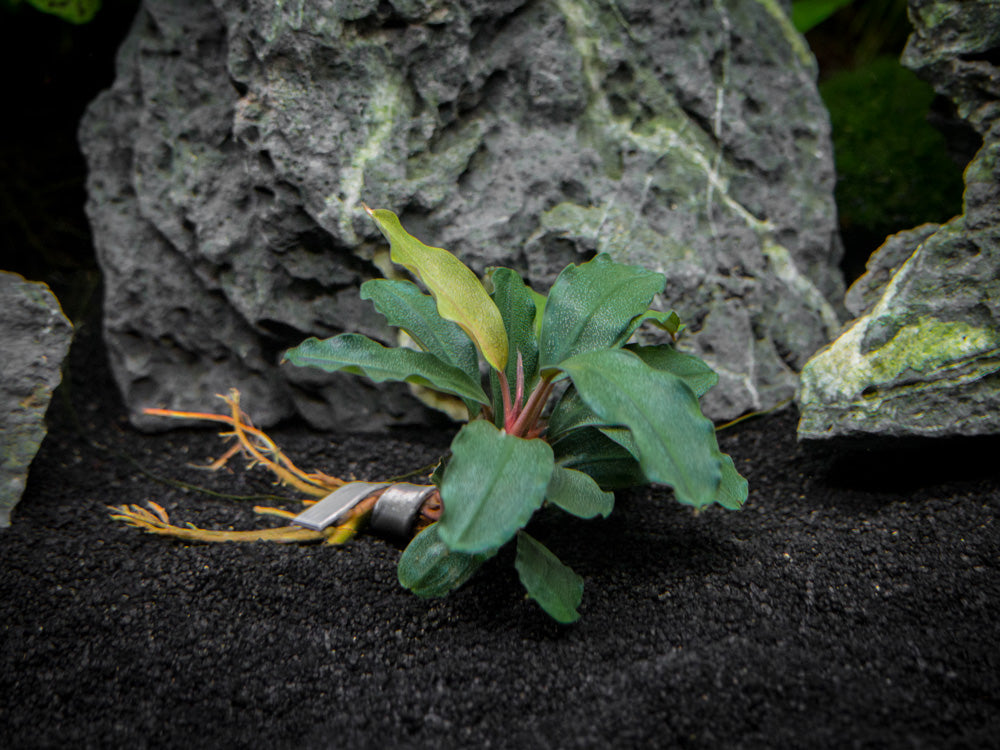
point(531, 411)
point(508, 409)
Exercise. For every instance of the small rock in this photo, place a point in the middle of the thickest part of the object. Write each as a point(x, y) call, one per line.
point(924, 357)
point(34, 338)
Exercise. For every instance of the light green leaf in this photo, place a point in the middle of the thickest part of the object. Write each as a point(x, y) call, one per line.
point(76, 11)
point(596, 455)
point(577, 493)
point(428, 568)
point(556, 588)
point(494, 482)
point(357, 354)
point(460, 296)
point(540, 302)
point(689, 368)
point(591, 305)
point(676, 442)
point(517, 308)
point(403, 305)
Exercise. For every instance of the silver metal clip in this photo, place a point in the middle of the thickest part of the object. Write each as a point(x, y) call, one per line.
point(396, 509)
point(332, 508)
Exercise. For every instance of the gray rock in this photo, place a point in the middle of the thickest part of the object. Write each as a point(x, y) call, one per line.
point(34, 337)
point(924, 357)
point(229, 161)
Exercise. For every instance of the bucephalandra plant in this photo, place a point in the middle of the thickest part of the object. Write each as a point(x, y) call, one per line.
point(627, 414)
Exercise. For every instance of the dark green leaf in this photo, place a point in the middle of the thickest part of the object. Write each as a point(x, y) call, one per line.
point(517, 307)
point(577, 493)
point(599, 457)
point(405, 306)
point(591, 305)
point(428, 568)
point(668, 321)
point(357, 354)
point(570, 413)
point(494, 482)
point(691, 369)
point(556, 588)
point(676, 442)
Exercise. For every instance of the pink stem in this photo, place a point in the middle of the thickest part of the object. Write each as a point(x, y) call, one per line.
point(529, 414)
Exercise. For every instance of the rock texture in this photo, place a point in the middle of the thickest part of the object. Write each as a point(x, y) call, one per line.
point(34, 338)
point(230, 158)
point(924, 357)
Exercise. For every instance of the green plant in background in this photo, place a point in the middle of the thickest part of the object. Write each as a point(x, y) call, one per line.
point(893, 167)
point(809, 13)
point(629, 414)
point(74, 11)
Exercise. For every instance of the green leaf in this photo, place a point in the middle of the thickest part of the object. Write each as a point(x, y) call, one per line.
point(517, 308)
point(76, 11)
point(493, 484)
point(540, 302)
point(691, 369)
point(602, 459)
point(577, 493)
point(556, 588)
point(733, 489)
point(428, 568)
point(676, 442)
point(404, 306)
point(460, 296)
point(809, 13)
point(570, 413)
point(360, 355)
point(591, 305)
point(668, 321)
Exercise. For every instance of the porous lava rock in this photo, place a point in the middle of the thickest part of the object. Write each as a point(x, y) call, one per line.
point(229, 161)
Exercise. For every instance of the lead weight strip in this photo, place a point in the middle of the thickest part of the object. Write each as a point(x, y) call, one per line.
point(334, 506)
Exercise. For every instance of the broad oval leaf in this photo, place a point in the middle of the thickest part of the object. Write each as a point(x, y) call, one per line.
point(556, 588)
point(589, 451)
point(676, 442)
point(360, 355)
point(460, 296)
point(493, 484)
point(578, 494)
point(404, 306)
point(428, 568)
point(689, 368)
point(591, 305)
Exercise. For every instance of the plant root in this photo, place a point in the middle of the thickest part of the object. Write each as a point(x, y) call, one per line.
point(261, 450)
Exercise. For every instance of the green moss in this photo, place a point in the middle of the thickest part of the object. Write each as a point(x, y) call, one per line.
point(843, 372)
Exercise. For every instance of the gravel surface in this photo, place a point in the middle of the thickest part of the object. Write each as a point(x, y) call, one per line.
point(854, 602)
